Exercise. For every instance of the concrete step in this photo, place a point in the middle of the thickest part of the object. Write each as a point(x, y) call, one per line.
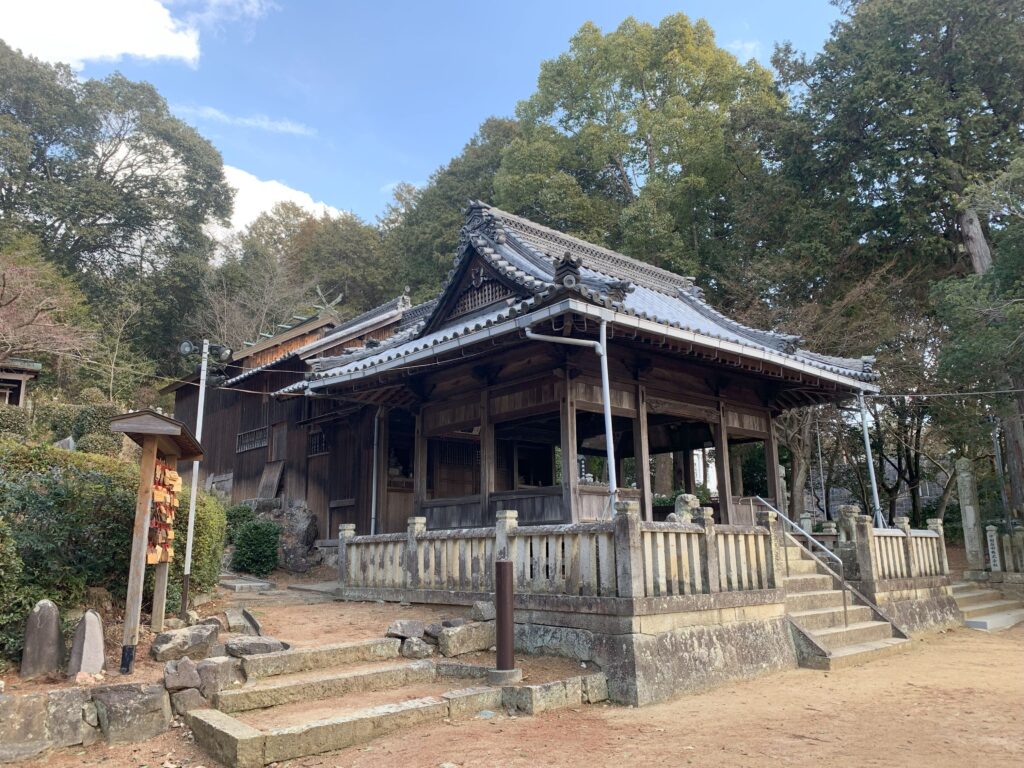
point(856, 633)
point(806, 582)
point(991, 622)
point(860, 653)
point(323, 684)
point(823, 618)
point(808, 601)
point(976, 597)
point(994, 606)
point(321, 657)
point(800, 567)
point(967, 586)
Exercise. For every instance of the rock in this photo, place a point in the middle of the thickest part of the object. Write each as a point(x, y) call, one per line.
point(559, 694)
point(247, 645)
point(296, 551)
point(132, 712)
point(194, 642)
point(213, 621)
point(404, 628)
point(193, 617)
point(44, 643)
point(187, 700)
point(87, 649)
point(219, 673)
point(430, 639)
point(22, 726)
point(173, 622)
point(483, 610)
point(453, 622)
point(89, 714)
point(475, 636)
point(83, 678)
point(181, 674)
point(64, 710)
point(415, 648)
point(432, 631)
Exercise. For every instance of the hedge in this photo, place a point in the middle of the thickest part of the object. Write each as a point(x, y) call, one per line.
point(94, 419)
point(96, 442)
point(58, 418)
point(238, 515)
point(14, 421)
point(256, 547)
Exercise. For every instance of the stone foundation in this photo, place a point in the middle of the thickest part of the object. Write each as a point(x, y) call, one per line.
point(917, 605)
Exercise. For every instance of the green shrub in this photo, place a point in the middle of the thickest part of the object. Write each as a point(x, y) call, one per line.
point(207, 542)
point(17, 458)
point(94, 419)
point(256, 547)
point(14, 421)
point(238, 515)
point(96, 442)
point(15, 602)
point(57, 418)
point(93, 396)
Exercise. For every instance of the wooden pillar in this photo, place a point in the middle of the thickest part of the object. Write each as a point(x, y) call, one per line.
point(570, 469)
point(419, 466)
point(487, 459)
point(771, 460)
point(159, 597)
point(137, 566)
point(722, 473)
point(642, 454)
point(384, 522)
point(689, 482)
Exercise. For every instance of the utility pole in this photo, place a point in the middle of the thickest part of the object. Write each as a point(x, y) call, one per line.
point(195, 480)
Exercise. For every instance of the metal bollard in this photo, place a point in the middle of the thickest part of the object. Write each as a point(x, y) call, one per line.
point(504, 630)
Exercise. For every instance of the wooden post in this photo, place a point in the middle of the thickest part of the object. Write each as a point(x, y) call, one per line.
point(642, 453)
point(721, 434)
point(487, 461)
point(419, 466)
point(137, 569)
point(570, 467)
point(159, 597)
point(689, 481)
point(771, 463)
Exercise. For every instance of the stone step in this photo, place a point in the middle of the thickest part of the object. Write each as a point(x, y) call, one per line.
point(321, 684)
point(976, 597)
point(800, 567)
point(806, 582)
point(820, 598)
point(823, 618)
point(856, 633)
point(860, 653)
point(321, 657)
point(995, 621)
point(967, 586)
point(994, 606)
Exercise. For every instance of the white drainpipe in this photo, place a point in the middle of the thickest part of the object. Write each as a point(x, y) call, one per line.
point(601, 348)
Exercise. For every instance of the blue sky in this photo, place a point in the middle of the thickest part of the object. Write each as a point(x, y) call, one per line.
point(340, 100)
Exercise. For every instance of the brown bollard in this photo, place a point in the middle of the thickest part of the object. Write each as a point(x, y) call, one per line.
point(505, 673)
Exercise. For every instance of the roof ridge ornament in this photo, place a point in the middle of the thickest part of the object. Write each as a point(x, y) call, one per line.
point(567, 270)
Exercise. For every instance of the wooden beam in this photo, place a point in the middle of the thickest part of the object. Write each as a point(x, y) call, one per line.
point(419, 466)
point(570, 469)
point(642, 454)
point(137, 564)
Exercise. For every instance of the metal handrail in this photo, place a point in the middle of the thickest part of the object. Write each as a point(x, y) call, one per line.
point(811, 539)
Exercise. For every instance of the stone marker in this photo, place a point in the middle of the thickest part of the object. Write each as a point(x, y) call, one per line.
point(404, 628)
point(44, 644)
point(87, 649)
point(194, 642)
point(415, 648)
point(132, 712)
point(181, 674)
point(483, 610)
point(248, 645)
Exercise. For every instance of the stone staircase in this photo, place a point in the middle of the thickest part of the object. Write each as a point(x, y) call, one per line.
point(815, 609)
point(986, 608)
point(302, 702)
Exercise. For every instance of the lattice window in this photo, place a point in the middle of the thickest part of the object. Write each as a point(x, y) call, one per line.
point(489, 292)
point(458, 454)
point(251, 440)
point(316, 443)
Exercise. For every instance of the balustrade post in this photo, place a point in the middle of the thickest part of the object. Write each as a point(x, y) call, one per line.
point(345, 532)
point(709, 550)
point(415, 527)
point(629, 560)
point(935, 524)
point(864, 546)
point(909, 556)
point(505, 520)
point(769, 518)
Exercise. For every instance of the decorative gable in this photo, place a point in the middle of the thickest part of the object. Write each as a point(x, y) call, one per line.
point(477, 288)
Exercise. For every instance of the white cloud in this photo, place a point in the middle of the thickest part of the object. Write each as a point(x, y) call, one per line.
point(255, 195)
point(745, 49)
point(261, 122)
point(77, 31)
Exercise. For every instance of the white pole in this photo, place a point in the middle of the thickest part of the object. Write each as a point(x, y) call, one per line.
point(195, 478)
point(879, 522)
point(609, 434)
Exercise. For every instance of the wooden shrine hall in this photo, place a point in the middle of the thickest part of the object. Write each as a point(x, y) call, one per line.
point(543, 378)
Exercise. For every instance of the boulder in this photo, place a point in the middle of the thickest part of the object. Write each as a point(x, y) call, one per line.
point(65, 709)
point(180, 674)
point(219, 673)
point(44, 643)
point(132, 712)
point(213, 621)
point(415, 648)
point(247, 645)
point(187, 700)
point(466, 638)
point(453, 622)
point(297, 552)
point(173, 622)
point(405, 628)
point(194, 642)
point(482, 610)
point(87, 649)
point(22, 726)
point(431, 631)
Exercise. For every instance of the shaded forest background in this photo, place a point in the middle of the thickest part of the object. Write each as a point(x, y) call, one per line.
point(869, 198)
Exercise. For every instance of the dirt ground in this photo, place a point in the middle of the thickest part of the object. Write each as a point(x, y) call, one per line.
point(956, 699)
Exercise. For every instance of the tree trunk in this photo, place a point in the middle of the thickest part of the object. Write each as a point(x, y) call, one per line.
point(1013, 432)
point(974, 240)
point(947, 493)
point(796, 486)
